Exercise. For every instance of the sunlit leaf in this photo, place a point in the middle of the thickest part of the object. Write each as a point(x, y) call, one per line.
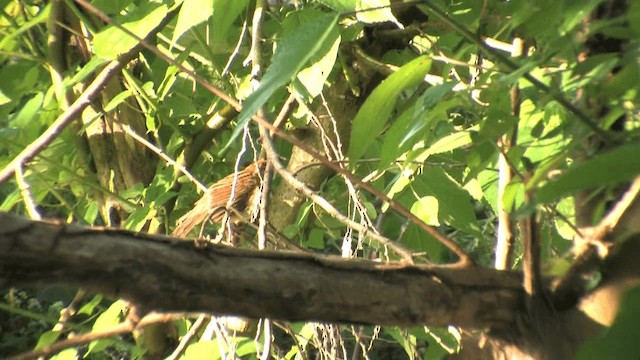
point(107, 320)
point(192, 13)
point(291, 55)
point(616, 166)
point(455, 207)
point(375, 11)
point(376, 110)
point(47, 338)
point(202, 350)
point(111, 42)
point(426, 208)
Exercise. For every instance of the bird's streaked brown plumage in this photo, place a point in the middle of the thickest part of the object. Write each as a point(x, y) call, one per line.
point(212, 205)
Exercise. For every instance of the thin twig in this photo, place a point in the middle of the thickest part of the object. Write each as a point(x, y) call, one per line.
point(27, 197)
point(187, 337)
point(504, 243)
point(326, 205)
point(127, 129)
point(266, 347)
point(119, 329)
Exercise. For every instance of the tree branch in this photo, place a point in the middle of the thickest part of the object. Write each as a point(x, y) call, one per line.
point(168, 274)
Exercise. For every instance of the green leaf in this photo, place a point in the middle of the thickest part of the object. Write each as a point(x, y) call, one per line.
point(408, 341)
point(450, 142)
point(619, 165)
point(305, 333)
point(426, 208)
point(111, 42)
point(225, 12)
point(382, 12)
point(88, 69)
point(106, 321)
point(111, 7)
point(202, 350)
point(410, 128)
point(192, 13)
point(375, 112)
point(314, 76)
point(398, 139)
point(455, 207)
point(29, 113)
point(88, 308)
point(4, 99)
point(47, 338)
point(315, 240)
point(8, 37)
point(342, 6)
point(66, 354)
point(292, 53)
point(574, 12)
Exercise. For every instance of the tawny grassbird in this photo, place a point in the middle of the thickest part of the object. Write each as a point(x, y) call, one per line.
point(213, 204)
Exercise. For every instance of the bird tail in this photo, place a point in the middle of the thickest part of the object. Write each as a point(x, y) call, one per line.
point(191, 219)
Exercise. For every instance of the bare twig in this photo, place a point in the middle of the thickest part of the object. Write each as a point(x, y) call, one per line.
point(504, 243)
point(266, 347)
point(122, 328)
point(69, 311)
point(323, 203)
point(193, 330)
point(127, 129)
point(27, 197)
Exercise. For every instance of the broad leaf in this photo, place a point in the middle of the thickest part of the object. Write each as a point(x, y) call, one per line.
point(111, 42)
point(375, 112)
point(192, 13)
point(616, 166)
point(455, 206)
point(292, 53)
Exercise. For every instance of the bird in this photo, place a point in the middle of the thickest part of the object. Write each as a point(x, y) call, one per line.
point(213, 203)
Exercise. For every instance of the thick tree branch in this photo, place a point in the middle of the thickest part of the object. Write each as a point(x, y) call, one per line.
point(168, 274)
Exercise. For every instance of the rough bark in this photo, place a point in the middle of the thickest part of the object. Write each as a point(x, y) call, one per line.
point(167, 274)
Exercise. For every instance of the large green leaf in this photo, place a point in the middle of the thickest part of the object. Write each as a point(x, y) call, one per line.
point(192, 13)
point(375, 112)
point(311, 80)
point(417, 121)
point(111, 42)
point(616, 166)
point(455, 206)
point(292, 53)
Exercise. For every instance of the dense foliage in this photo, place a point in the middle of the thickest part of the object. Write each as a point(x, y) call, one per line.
point(430, 102)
